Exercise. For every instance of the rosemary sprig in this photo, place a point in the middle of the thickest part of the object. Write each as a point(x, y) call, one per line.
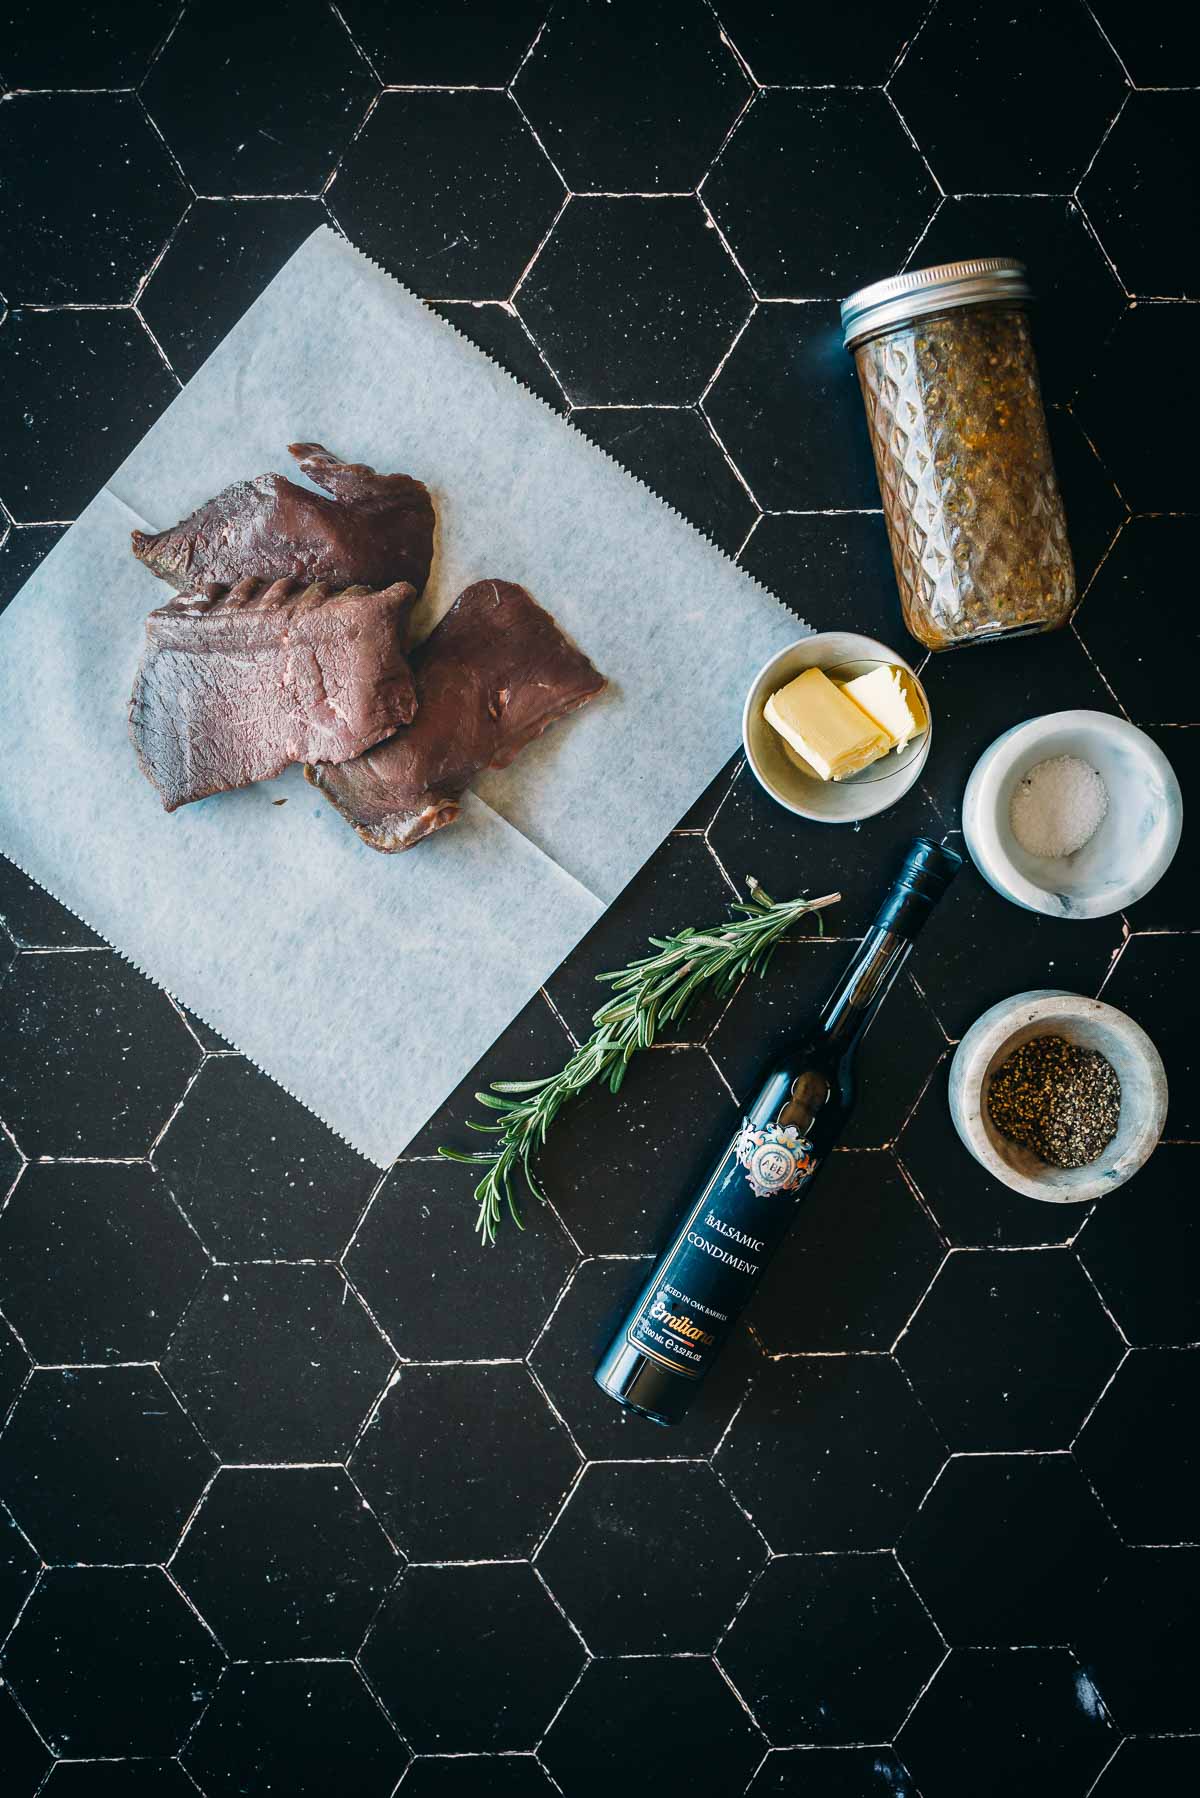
point(646, 996)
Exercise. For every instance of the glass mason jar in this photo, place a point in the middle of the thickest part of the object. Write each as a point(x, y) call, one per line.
point(974, 516)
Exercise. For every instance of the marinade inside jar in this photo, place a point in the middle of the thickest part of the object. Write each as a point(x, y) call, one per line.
point(967, 477)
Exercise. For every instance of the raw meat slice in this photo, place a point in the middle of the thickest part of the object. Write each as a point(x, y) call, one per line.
point(493, 675)
point(236, 685)
point(377, 528)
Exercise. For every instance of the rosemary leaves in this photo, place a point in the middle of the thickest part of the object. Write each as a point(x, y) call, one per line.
point(649, 994)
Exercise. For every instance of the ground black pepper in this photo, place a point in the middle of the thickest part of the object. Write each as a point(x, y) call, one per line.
point(1059, 1100)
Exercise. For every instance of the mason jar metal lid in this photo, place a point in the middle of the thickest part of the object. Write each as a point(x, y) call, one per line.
point(900, 297)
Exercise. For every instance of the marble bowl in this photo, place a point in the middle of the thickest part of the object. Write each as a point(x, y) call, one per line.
point(844, 654)
point(1093, 1025)
point(1133, 845)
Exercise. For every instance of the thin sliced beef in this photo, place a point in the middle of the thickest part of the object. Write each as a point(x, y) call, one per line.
point(235, 685)
point(377, 528)
point(493, 675)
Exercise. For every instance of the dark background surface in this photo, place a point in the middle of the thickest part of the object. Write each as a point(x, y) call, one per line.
point(300, 1484)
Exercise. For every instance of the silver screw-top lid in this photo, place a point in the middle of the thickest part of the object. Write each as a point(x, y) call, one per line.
point(900, 297)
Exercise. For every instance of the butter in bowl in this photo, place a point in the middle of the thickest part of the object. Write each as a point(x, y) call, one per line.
point(836, 727)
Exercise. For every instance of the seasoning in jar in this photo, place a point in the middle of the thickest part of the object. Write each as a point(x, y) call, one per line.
point(949, 378)
point(1058, 1099)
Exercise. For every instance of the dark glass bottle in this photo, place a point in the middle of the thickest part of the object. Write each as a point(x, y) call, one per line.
point(730, 1231)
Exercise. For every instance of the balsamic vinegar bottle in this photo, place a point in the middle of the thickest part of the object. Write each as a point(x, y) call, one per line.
point(732, 1228)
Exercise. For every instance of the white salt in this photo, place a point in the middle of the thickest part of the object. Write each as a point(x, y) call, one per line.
point(1058, 807)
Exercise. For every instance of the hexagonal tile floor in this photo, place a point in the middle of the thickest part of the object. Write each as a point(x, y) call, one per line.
point(303, 1492)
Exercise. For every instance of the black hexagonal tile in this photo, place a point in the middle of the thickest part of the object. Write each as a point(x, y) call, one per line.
point(680, 886)
point(852, 1267)
point(633, 301)
point(787, 408)
point(1138, 189)
point(858, 44)
point(458, 43)
point(20, 554)
point(1077, 300)
point(673, 451)
point(1010, 1349)
point(1158, 45)
point(778, 191)
point(834, 570)
point(1138, 1447)
point(770, 1017)
point(1095, 510)
point(23, 1755)
point(584, 1323)
point(285, 1561)
point(494, 327)
point(300, 1729)
point(100, 1056)
point(753, 835)
point(830, 1773)
point(831, 1648)
point(448, 1634)
point(204, 1033)
point(101, 1465)
point(1140, 426)
point(119, 1779)
point(830, 1452)
point(18, 1567)
point(449, 191)
point(1008, 1549)
point(103, 48)
point(257, 1173)
point(994, 1721)
point(110, 1661)
point(83, 388)
point(593, 87)
point(1153, 1764)
point(535, 1043)
point(90, 197)
point(1140, 1646)
point(977, 74)
point(1147, 564)
point(224, 93)
point(14, 1366)
point(419, 1263)
point(972, 1208)
point(469, 1775)
point(96, 1263)
point(597, 1743)
point(650, 1560)
point(220, 259)
point(960, 982)
point(277, 1362)
point(441, 1438)
point(603, 1162)
point(1147, 982)
point(1140, 1247)
point(32, 918)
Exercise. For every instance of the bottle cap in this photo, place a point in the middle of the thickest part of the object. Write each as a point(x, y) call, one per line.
point(976, 282)
point(923, 876)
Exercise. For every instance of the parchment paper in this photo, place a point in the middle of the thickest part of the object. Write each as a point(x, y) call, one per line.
point(369, 985)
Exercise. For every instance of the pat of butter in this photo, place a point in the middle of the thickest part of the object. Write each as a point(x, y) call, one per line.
point(832, 734)
point(889, 698)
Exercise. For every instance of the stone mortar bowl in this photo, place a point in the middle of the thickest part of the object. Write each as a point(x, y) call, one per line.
point(1093, 1025)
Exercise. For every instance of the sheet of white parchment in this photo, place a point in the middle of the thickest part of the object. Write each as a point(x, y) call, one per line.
point(369, 985)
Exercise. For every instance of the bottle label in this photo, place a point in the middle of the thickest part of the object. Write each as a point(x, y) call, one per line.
point(720, 1253)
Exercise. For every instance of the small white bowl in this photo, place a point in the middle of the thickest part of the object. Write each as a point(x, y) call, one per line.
point(829, 801)
point(1133, 845)
point(1093, 1025)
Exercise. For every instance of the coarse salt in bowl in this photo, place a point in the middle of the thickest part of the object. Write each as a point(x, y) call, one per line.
point(1135, 836)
